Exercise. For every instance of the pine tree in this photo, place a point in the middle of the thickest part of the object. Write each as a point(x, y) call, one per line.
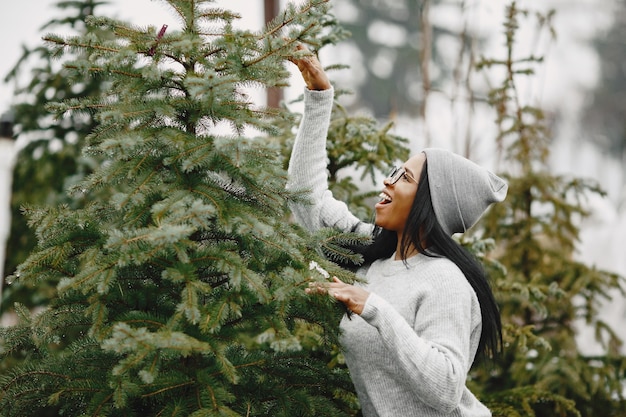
point(541, 288)
point(180, 283)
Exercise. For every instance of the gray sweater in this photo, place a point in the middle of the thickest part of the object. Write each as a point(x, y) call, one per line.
point(410, 350)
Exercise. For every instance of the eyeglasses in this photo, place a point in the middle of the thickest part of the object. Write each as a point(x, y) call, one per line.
point(397, 173)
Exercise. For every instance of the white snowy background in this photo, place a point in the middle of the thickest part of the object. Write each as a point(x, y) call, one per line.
point(561, 86)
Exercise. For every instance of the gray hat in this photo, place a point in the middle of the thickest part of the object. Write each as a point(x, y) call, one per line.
point(460, 190)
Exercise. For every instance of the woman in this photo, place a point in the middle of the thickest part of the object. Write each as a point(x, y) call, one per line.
point(426, 309)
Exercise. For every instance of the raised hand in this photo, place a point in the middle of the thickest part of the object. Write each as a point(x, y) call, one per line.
point(312, 71)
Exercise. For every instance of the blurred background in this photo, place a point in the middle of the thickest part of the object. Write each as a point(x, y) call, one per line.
point(581, 86)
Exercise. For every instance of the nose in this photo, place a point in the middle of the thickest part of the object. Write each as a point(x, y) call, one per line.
point(387, 182)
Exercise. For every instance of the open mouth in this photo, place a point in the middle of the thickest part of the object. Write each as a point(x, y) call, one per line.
point(384, 198)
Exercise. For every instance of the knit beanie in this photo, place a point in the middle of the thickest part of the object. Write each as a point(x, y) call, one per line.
point(460, 190)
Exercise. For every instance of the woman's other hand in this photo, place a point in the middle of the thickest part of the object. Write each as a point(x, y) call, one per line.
point(351, 296)
point(312, 71)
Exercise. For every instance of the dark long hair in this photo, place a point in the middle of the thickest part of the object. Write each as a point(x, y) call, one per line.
point(422, 229)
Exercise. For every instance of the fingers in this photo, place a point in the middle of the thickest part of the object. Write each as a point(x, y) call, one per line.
point(352, 297)
point(325, 287)
point(299, 47)
point(311, 69)
point(317, 288)
point(302, 62)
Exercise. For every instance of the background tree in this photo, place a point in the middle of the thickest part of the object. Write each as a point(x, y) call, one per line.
point(49, 160)
point(602, 119)
point(543, 290)
point(397, 52)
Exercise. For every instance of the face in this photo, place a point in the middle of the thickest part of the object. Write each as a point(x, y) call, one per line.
point(396, 199)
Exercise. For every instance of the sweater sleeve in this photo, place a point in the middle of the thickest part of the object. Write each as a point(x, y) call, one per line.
point(435, 354)
point(308, 170)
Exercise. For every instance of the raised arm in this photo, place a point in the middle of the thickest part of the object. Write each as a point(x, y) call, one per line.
point(308, 163)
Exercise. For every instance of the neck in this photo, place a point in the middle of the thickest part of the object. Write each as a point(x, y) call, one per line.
point(399, 254)
point(412, 250)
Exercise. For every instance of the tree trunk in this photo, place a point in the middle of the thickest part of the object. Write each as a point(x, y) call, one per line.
point(274, 94)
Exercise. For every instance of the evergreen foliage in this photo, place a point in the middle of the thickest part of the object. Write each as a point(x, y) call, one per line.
point(541, 288)
point(49, 158)
point(180, 282)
